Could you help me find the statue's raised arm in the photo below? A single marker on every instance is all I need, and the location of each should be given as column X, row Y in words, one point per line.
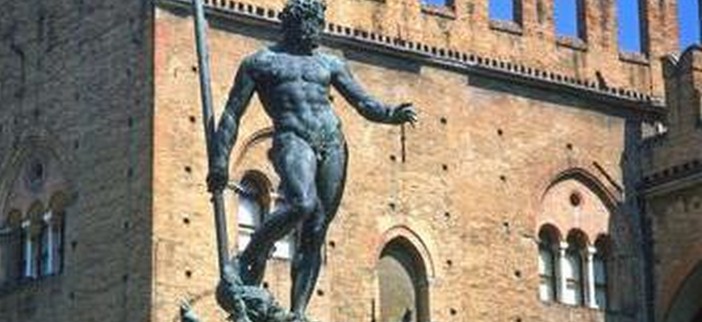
column 365, row 104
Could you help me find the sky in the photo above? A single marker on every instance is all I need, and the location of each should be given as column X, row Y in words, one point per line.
column 565, row 14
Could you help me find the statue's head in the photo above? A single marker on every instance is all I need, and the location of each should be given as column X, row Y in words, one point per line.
column 303, row 22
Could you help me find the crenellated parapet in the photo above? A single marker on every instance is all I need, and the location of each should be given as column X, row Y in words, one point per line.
column 672, row 154
column 529, row 39
column 469, row 60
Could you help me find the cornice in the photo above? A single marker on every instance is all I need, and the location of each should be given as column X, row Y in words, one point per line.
column 643, row 105
column 673, row 178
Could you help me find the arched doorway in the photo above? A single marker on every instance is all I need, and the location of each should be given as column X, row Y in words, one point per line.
column 403, row 286
column 687, row 304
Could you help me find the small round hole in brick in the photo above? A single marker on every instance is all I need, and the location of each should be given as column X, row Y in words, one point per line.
column 500, row 132
column 518, row 274
column 188, row 273
column 449, row 263
column 320, row 293
column 186, row 221
column 575, row 199
column 447, row 215
column 443, row 120
column 393, row 158
column 188, row 169
column 193, row 68
column 518, row 320
column 332, row 244
column 569, row 146
column 503, row 178
column 444, row 167
column 265, row 285
column 392, row 205
column 453, row 311
column 192, row 119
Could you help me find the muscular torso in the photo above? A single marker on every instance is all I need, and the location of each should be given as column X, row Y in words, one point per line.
column 294, row 91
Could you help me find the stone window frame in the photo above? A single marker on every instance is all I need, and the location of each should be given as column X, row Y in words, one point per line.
column 578, row 244
column 22, row 231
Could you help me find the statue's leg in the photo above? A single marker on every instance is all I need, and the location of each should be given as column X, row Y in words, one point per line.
column 331, row 175
column 296, row 165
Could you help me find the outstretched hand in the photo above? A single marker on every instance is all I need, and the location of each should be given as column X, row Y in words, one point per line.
column 404, row 113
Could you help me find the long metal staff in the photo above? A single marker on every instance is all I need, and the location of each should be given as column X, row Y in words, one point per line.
column 203, row 60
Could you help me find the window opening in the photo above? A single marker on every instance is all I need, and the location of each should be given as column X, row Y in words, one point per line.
column 689, row 15
column 506, row 10
column 548, row 243
column 569, row 18
column 629, row 26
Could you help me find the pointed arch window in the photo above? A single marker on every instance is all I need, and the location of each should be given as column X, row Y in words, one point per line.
column 402, row 279
column 574, row 270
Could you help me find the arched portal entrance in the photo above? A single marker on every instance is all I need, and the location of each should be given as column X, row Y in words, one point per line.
column 687, row 304
column 403, row 283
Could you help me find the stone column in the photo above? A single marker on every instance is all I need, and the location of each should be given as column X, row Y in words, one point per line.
column 27, row 256
column 562, row 265
column 591, row 301
column 48, row 216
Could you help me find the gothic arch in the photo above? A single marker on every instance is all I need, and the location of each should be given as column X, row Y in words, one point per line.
column 685, row 306
column 40, row 144
column 262, row 136
column 405, row 232
column 585, row 177
column 402, row 282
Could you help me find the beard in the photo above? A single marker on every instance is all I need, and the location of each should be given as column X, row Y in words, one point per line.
column 303, row 41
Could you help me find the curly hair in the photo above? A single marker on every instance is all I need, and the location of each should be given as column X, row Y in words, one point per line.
column 297, row 10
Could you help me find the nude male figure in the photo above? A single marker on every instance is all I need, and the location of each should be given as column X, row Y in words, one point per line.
column 309, row 152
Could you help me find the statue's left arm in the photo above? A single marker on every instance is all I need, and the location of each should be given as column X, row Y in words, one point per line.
column 365, row 104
